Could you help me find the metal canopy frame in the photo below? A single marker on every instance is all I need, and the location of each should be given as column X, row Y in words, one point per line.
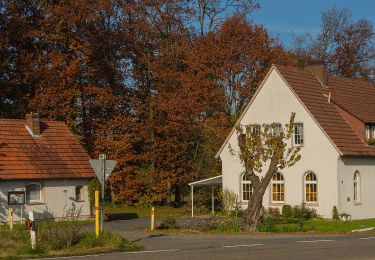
column 217, row 180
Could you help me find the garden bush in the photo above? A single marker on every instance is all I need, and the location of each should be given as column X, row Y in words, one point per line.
column 89, row 240
column 268, row 225
column 272, row 213
column 168, row 223
column 335, row 213
column 303, row 212
column 287, row 211
column 226, row 224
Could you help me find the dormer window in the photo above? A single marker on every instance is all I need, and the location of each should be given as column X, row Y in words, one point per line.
column 370, row 133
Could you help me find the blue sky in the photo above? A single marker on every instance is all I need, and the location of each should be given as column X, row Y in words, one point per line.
column 282, row 17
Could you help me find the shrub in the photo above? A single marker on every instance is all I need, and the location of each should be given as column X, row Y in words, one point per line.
column 303, row 212
column 59, row 235
column 106, row 239
column 231, row 203
column 287, row 211
column 169, row 223
column 335, row 213
column 268, row 225
column 227, row 224
column 272, row 213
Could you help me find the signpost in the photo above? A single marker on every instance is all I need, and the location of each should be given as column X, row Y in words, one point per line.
column 103, row 169
column 16, row 198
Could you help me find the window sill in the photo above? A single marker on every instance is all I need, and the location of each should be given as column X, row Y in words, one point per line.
column 34, row 203
column 312, row 204
column 277, row 203
column 357, row 203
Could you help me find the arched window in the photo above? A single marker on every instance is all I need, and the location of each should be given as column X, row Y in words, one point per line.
column 357, row 187
column 33, row 192
column 247, row 188
column 311, row 187
column 278, row 187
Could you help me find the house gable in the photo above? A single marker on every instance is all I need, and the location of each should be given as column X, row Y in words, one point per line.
column 272, row 103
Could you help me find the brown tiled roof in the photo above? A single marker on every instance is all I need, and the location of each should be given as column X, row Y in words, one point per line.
column 314, row 96
column 355, row 96
column 54, row 154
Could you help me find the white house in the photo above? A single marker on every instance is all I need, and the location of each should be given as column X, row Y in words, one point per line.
column 46, row 163
column 335, row 120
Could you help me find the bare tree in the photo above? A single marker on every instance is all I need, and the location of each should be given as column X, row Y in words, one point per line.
column 263, row 153
column 334, row 21
column 210, row 13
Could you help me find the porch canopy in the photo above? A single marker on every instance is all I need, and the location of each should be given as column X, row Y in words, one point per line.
column 217, row 180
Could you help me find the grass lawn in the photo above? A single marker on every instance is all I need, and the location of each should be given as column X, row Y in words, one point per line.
column 317, row 225
column 129, row 212
column 58, row 241
column 340, row 226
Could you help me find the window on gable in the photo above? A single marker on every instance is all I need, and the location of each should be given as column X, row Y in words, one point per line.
column 255, row 129
column 276, row 129
column 33, row 193
column 247, row 188
column 79, row 193
column 298, row 134
column 370, row 131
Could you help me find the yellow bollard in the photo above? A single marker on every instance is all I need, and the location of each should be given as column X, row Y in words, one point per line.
column 152, row 218
column 11, row 218
column 97, row 231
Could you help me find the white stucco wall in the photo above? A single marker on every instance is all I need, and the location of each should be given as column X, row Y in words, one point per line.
column 346, row 169
column 274, row 103
column 57, row 197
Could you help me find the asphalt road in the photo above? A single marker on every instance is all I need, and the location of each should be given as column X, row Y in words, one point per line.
column 218, row 247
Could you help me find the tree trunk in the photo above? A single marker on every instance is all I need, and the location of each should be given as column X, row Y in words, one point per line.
column 177, row 195
column 254, row 212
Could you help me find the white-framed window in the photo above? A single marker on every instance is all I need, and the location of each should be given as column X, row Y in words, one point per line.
column 255, row 129
column 298, row 134
column 357, row 187
column 277, row 188
column 247, row 188
column 370, row 131
column 33, row 193
column 79, row 193
column 311, row 188
column 276, row 129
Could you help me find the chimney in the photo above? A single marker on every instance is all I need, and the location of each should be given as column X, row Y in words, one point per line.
column 319, row 71
column 33, row 123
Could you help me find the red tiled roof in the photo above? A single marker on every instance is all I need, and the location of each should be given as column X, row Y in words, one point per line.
column 54, row 154
column 357, row 97
column 314, row 96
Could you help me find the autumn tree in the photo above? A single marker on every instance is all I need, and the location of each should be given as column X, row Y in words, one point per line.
column 262, row 154
column 236, row 58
